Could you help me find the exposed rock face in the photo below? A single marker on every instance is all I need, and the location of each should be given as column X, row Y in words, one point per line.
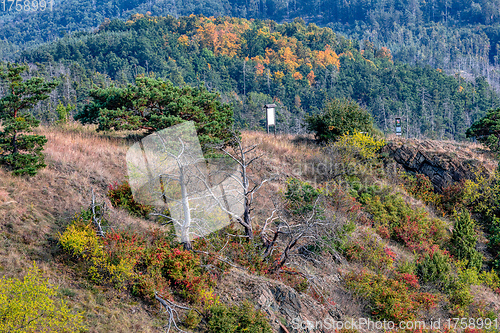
column 443, row 163
column 281, row 303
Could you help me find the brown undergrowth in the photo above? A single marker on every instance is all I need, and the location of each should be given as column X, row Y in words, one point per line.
column 377, row 255
column 33, row 210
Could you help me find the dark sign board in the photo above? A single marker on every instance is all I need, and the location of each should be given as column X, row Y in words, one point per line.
column 398, row 126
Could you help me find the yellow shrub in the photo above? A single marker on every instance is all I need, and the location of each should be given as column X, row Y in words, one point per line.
column 472, row 277
column 29, row 306
column 120, row 273
column 209, row 298
column 101, row 270
column 481, row 193
column 472, row 189
column 81, row 240
column 467, row 276
column 365, row 144
column 490, row 279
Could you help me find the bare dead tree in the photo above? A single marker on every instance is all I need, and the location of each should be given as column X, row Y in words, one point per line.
column 296, row 232
column 170, row 170
column 242, row 156
column 182, row 176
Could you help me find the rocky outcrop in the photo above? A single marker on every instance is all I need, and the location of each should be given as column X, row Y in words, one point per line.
column 443, row 163
column 286, row 308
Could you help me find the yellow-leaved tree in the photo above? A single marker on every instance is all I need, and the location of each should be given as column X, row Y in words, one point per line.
column 29, row 305
column 366, row 145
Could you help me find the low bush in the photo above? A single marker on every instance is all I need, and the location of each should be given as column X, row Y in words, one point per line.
column 490, row 279
column 365, row 146
column 363, row 193
column 483, row 199
column 395, row 299
column 120, row 195
column 143, row 262
column 81, row 241
column 472, row 276
column 371, row 252
column 342, row 242
column 435, row 268
column 420, row 186
column 460, row 299
column 29, row 305
column 494, row 240
column 453, row 198
column 237, row 319
column 407, row 266
column 292, row 278
column 179, row 268
column 242, row 252
column 192, row 319
column 394, row 218
column 300, row 197
column 460, row 286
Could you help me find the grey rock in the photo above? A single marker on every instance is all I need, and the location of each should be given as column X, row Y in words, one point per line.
column 443, row 169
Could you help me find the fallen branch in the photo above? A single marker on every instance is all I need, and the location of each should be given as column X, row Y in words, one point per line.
column 172, row 313
column 221, row 259
column 97, row 219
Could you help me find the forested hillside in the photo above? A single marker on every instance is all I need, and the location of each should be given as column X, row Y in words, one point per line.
column 253, row 62
column 140, row 193
column 457, row 36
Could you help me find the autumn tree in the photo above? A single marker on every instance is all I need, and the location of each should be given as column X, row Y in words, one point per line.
column 222, row 38
column 311, row 78
column 326, row 58
column 21, row 151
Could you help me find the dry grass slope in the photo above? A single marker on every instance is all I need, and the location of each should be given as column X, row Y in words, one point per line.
column 34, row 210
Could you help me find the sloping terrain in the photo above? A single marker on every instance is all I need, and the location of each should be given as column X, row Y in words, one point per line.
column 34, row 211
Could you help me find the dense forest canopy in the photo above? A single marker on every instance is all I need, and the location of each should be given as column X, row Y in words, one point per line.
column 457, row 36
column 355, row 225
column 253, row 62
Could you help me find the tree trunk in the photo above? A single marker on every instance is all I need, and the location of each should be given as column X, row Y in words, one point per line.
column 284, row 256
column 185, row 240
column 14, row 143
column 247, row 220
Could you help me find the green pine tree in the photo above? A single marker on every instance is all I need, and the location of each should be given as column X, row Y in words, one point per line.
column 340, row 116
column 487, row 130
column 464, row 240
column 21, row 151
column 154, row 104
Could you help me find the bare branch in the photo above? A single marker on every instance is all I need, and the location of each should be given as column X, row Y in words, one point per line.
column 222, row 259
column 97, row 216
column 172, row 313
